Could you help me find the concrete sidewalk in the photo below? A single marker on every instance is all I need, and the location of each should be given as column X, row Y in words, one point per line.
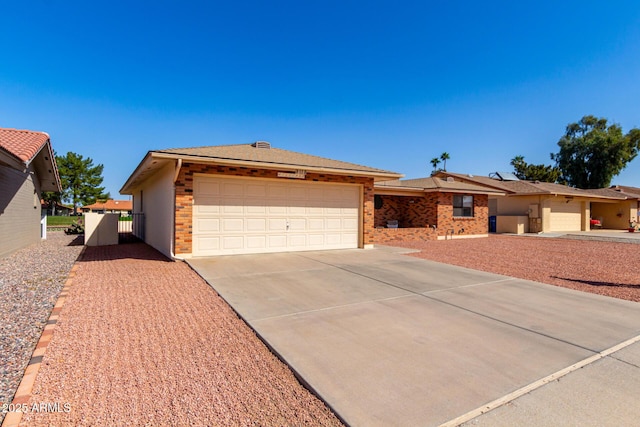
column 387, row 339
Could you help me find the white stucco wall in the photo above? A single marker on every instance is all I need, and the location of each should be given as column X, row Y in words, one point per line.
column 19, row 209
column 156, row 200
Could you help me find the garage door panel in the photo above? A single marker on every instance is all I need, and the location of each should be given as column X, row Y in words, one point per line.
column 276, row 191
column 238, row 215
column 207, row 205
column 297, row 192
column 256, row 190
column 277, row 241
column 316, row 224
column 207, row 225
column 297, row 224
column 256, row 242
column 334, row 223
column 232, row 242
column 232, row 189
column 255, row 210
column 258, row 225
column 277, row 224
column 297, row 210
column 232, row 225
column 566, row 216
column 316, row 240
column 296, row 240
column 211, row 188
column 349, row 223
column 207, row 243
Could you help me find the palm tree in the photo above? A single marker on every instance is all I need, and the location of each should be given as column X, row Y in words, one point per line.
column 435, row 162
column 444, row 157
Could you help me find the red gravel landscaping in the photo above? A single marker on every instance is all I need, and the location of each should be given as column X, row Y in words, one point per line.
column 144, row 341
column 599, row 267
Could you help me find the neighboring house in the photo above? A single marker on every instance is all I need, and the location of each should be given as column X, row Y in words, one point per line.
column 122, row 207
column 57, row 209
column 251, row 198
column 533, row 206
column 430, row 209
column 617, row 215
column 27, row 168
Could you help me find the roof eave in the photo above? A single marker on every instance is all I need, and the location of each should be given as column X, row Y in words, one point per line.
column 378, row 176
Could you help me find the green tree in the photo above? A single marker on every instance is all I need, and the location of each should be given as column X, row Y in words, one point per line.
column 444, row 157
column 80, row 179
column 592, row 152
column 435, row 162
column 530, row 172
column 51, row 198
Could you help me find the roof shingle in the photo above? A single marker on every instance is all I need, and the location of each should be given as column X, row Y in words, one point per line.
column 275, row 156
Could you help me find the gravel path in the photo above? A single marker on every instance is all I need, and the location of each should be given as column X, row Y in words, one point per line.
column 30, row 281
column 144, row 341
column 600, row 267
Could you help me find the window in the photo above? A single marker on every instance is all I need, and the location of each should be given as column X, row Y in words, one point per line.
column 463, row 206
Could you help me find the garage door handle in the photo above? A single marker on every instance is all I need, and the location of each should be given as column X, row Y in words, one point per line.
column 287, row 225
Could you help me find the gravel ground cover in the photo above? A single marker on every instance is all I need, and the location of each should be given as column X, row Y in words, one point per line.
column 141, row 341
column 600, row 267
column 30, row 281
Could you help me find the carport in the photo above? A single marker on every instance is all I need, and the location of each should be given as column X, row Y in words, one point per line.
column 387, row 339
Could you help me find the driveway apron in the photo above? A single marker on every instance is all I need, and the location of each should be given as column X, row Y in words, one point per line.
column 387, row 339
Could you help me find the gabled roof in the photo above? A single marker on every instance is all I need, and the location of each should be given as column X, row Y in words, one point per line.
column 21, row 148
column 111, row 205
column 257, row 155
column 435, row 184
column 531, row 188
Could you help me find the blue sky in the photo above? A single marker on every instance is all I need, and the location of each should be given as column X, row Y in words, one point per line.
column 381, row 84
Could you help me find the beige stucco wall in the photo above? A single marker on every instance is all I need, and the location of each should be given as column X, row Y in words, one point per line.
column 19, row 209
column 615, row 215
column 516, row 205
column 519, row 206
column 156, row 199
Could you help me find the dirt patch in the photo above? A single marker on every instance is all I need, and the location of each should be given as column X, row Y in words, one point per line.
column 605, row 268
column 145, row 341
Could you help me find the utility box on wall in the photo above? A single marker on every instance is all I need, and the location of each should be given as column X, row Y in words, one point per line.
column 100, row 229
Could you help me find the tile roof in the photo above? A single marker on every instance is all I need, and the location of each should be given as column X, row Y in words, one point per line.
column 22, row 144
column 111, row 205
column 437, row 184
column 274, row 156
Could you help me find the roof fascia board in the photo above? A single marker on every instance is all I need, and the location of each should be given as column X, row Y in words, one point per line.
column 274, row 166
column 125, row 188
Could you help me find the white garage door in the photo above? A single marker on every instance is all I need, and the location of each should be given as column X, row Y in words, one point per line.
column 250, row 215
column 566, row 216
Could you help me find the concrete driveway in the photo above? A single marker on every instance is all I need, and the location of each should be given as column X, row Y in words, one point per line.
column 388, row 339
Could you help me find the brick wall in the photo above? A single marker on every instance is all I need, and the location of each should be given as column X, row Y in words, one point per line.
column 417, row 214
column 478, row 224
column 409, row 211
column 390, row 235
column 184, row 197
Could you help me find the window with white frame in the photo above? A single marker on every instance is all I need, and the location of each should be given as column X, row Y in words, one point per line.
column 463, row 206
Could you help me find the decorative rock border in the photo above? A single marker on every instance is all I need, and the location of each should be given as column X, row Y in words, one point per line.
column 23, row 393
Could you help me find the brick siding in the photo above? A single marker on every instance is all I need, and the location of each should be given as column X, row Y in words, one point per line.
column 417, row 214
column 478, row 224
column 184, row 197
